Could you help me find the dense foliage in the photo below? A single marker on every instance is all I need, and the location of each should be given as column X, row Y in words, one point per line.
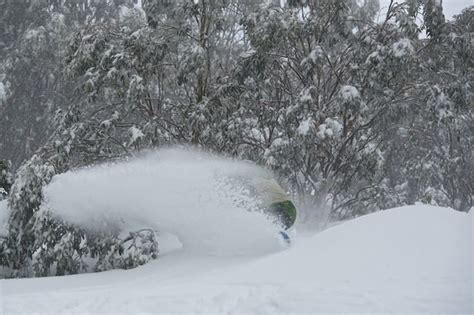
column 355, row 115
column 5, row 179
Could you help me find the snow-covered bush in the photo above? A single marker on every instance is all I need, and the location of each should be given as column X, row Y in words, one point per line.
column 39, row 244
column 136, row 249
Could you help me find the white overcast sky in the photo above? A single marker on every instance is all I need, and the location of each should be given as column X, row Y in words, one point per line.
column 450, row 7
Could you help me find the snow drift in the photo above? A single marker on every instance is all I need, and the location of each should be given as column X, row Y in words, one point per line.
column 409, row 260
column 179, row 191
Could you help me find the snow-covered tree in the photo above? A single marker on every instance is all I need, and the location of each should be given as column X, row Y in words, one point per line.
column 435, row 143
column 38, row 243
column 33, row 42
column 316, row 94
column 5, row 179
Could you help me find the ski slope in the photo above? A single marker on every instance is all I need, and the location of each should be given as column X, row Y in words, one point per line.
column 415, row 259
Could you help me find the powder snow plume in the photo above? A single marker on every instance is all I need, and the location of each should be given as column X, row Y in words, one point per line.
column 179, row 191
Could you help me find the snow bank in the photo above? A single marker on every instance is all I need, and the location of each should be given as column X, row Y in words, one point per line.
column 415, row 259
column 182, row 192
column 410, row 260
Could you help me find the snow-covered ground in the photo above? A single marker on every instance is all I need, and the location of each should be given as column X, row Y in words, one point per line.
column 415, row 259
column 217, row 257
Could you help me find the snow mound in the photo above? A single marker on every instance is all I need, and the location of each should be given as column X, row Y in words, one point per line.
column 409, row 260
column 178, row 191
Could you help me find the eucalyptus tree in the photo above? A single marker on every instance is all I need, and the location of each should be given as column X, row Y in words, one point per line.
column 37, row 243
column 33, row 41
column 316, row 94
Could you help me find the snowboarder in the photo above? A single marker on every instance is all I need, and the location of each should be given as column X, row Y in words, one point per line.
column 275, row 201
